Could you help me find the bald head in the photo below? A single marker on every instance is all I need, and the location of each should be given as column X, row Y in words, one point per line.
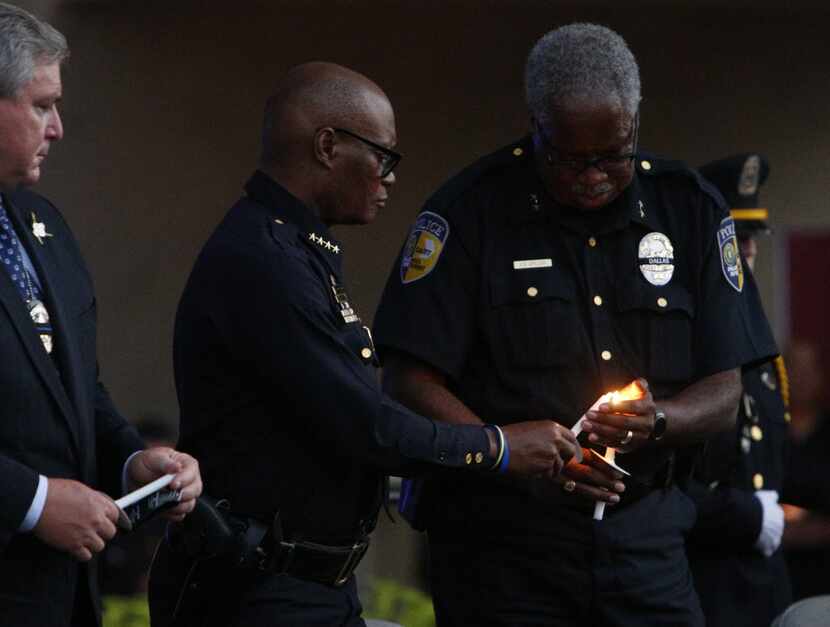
column 327, row 137
column 311, row 96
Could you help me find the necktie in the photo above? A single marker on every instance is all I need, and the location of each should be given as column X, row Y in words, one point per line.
column 12, row 260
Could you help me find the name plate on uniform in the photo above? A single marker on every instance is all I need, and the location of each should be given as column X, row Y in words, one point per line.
column 527, row 264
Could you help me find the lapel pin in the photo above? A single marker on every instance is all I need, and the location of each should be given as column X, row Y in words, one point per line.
column 39, row 229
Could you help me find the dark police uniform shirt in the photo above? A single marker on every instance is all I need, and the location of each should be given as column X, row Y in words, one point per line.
column 276, row 377
column 741, row 586
column 534, row 310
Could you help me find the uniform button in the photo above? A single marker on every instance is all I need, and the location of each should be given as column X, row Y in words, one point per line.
column 606, row 355
column 366, row 352
column 756, row 433
column 646, row 165
column 468, row 458
column 598, row 300
column 278, row 221
column 787, row 416
column 442, row 456
column 518, row 152
column 662, row 302
column 532, row 292
column 592, row 241
column 758, row 480
column 479, row 457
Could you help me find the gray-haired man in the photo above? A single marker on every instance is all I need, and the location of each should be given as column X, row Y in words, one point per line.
column 61, row 437
column 555, row 270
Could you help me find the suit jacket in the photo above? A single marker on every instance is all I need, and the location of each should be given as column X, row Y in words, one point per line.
column 56, row 418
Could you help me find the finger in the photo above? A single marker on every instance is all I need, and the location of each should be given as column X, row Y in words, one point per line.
column 108, row 507
column 95, row 544
column 587, row 490
column 107, row 530
column 188, row 475
column 172, row 515
column 597, row 472
column 82, row 554
column 183, row 508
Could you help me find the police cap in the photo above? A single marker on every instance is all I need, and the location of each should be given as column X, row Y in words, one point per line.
column 739, row 178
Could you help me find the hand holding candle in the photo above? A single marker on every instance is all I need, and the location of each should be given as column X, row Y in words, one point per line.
column 624, row 421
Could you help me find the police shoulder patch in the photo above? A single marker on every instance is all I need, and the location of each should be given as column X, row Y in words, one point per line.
column 423, row 246
column 730, row 256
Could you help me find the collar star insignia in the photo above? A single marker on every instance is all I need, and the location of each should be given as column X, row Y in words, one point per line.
column 323, row 242
column 39, row 229
column 642, row 209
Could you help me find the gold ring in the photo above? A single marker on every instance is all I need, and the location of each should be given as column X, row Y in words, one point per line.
column 628, row 437
column 569, row 485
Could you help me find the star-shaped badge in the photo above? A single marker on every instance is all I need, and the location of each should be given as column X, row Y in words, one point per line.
column 39, row 229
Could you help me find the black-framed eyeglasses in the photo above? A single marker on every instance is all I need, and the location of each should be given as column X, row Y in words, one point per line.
column 389, row 159
column 609, row 164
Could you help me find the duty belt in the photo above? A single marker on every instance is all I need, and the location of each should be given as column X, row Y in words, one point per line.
column 211, row 531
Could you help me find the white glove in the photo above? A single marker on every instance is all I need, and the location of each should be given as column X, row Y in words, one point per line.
column 772, row 527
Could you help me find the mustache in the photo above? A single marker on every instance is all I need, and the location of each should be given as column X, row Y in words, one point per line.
column 597, row 190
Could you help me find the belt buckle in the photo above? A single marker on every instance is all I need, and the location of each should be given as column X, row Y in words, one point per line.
column 354, row 557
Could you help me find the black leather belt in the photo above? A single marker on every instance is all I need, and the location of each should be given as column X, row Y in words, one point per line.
column 211, row 531
column 322, row 563
column 330, row 565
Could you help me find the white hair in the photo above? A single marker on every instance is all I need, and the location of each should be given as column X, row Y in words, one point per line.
column 580, row 62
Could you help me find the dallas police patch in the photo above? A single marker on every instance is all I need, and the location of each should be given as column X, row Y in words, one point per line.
column 423, row 246
column 656, row 258
column 730, row 256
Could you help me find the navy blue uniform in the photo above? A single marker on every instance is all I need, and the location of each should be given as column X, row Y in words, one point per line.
column 741, row 586
column 532, row 311
column 276, row 377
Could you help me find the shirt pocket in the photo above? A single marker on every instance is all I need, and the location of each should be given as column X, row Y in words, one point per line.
column 532, row 320
column 664, row 316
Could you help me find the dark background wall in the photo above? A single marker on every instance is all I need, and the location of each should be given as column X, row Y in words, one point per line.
column 163, row 103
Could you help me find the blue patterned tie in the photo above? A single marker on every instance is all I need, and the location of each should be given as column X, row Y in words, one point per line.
column 12, row 260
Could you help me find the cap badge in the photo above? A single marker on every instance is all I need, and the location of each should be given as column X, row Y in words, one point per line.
column 750, row 176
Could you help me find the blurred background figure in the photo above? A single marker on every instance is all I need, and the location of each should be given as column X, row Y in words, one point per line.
column 739, row 571
column 807, row 532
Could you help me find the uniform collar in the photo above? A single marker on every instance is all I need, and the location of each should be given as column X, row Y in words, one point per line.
column 285, row 207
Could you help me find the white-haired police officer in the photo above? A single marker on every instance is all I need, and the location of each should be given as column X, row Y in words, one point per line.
column 546, row 274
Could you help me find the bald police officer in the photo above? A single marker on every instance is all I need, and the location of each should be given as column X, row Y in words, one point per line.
column 277, row 381
column 559, row 268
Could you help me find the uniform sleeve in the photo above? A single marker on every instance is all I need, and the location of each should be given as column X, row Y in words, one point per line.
column 298, row 354
column 725, row 517
column 428, row 308
column 731, row 327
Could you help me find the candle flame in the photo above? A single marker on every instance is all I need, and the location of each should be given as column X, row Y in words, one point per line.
column 630, row 392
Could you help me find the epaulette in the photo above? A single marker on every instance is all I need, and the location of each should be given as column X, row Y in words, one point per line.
column 651, row 165
column 783, row 381
column 461, row 182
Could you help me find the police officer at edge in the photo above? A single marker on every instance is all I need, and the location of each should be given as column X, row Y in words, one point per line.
column 566, row 265
column 277, row 379
column 734, row 548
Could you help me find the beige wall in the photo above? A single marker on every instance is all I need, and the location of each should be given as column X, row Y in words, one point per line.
column 163, row 102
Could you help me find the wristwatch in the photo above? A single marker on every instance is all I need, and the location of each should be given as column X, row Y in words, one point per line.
column 658, row 429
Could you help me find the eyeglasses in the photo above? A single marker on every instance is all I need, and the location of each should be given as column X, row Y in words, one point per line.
column 388, row 159
column 609, row 164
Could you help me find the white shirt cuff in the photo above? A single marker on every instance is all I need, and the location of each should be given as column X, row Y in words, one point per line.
column 124, row 479
column 36, row 508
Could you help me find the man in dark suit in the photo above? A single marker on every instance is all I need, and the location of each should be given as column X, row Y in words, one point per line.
column 61, row 437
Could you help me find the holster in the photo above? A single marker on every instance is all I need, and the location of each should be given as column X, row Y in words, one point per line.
column 213, row 553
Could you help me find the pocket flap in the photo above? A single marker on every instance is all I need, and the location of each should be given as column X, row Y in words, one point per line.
column 530, row 286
